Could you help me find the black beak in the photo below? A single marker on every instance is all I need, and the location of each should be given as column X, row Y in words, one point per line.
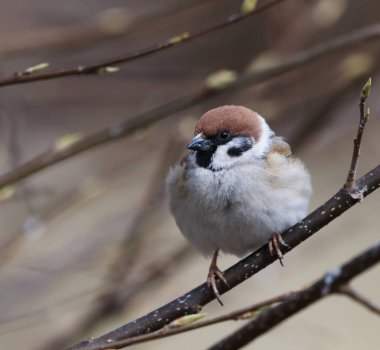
column 200, row 143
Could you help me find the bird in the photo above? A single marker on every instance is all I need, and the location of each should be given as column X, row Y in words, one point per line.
column 238, row 187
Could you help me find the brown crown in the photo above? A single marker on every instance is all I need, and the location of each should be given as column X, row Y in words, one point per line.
column 237, row 120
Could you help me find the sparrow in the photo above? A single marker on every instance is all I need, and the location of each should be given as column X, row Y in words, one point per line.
column 238, row 188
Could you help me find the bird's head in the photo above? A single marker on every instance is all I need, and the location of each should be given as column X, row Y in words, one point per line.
column 228, row 135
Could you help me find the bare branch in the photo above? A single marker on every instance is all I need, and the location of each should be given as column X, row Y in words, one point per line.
column 235, row 315
column 90, row 32
column 364, row 115
column 22, row 78
column 194, row 300
column 113, row 300
column 357, row 297
column 132, row 124
column 328, row 284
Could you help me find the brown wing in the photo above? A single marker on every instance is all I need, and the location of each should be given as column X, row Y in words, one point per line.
column 280, row 146
column 278, row 158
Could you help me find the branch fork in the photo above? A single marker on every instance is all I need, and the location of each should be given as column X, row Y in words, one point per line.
column 350, row 184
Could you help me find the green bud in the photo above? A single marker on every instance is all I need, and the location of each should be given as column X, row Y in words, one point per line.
column 36, row 68
column 221, row 79
column 248, row 6
column 367, row 113
column 7, row 192
column 108, row 70
column 366, row 91
column 254, row 313
column 66, row 141
column 188, row 319
column 178, row 38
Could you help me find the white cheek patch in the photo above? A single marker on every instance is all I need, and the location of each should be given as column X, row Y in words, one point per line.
column 243, row 144
column 236, row 150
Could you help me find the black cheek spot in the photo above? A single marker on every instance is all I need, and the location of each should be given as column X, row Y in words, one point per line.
column 234, row 152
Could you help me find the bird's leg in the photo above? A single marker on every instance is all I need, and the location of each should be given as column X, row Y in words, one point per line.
column 274, row 246
column 212, row 274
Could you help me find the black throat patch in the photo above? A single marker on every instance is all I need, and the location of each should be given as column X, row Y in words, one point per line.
column 203, row 158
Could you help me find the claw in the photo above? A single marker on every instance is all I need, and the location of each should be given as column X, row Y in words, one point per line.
column 274, row 247
column 281, row 240
column 214, row 272
column 220, row 275
column 212, row 283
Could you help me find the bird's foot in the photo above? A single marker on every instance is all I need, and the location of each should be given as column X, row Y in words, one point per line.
column 274, row 247
column 211, row 280
column 214, row 272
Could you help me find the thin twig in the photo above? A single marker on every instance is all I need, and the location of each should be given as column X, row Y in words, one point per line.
column 350, row 292
column 231, row 316
column 194, row 300
column 132, row 124
column 22, row 78
column 317, row 118
column 325, row 286
column 90, row 32
column 364, row 115
column 115, row 301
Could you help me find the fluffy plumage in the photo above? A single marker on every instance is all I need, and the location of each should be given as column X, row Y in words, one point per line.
column 238, row 188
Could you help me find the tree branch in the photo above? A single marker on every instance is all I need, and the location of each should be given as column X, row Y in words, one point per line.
column 360, row 299
column 328, row 284
column 364, row 115
column 91, row 32
column 170, row 330
column 132, row 124
column 22, row 78
column 116, row 299
column 194, row 300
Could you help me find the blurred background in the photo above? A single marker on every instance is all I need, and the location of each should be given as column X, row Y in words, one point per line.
column 88, row 244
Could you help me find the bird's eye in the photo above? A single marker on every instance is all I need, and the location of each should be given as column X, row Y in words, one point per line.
column 224, row 135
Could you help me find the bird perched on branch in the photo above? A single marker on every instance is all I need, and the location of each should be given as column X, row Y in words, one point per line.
column 238, row 187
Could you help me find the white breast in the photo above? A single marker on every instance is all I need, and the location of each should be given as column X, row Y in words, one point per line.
column 238, row 209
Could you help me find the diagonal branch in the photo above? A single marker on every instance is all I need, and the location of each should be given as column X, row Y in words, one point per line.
column 132, row 124
column 360, row 299
column 22, row 78
column 235, row 315
column 194, row 300
column 327, row 285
